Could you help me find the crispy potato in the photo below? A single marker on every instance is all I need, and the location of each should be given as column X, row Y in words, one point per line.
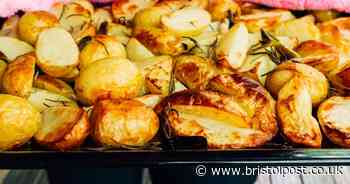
column 108, row 78
column 120, row 32
column 12, row 47
column 73, row 15
column 136, row 51
column 292, row 28
column 333, row 115
column 10, row 27
column 222, row 9
column 63, row 128
column 57, row 52
column 42, row 99
column 150, row 100
column 125, row 10
column 188, row 21
column 325, row 15
column 87, row 30
column 320, row 55
column 19, row 121
column 101, row 46
column 31, row 24
column 194, row 71
column 72, row 75
column 18, row 77
column 118, row 122
column 54, row 85
column 85, row 4
column 3, row 67
column 299, row 87
column 233, row 47
column 101, row 16
column 238, row 120
column 340, row 79
column 267, row 19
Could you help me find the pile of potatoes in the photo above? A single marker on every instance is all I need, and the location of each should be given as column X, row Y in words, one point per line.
column 108, row 73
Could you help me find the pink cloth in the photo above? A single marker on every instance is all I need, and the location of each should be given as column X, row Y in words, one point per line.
column 339, row 5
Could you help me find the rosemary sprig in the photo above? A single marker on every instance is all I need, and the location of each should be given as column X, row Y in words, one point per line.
column 272, row 47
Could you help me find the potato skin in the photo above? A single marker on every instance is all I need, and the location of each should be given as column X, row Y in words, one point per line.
column 333, row 117
column 108, row 78
column 31, row 24
column 54, row 85
column 19, row 121
column 18, row 77
column 120, row 121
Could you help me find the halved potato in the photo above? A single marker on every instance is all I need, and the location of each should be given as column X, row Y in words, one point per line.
column 73, row 15
column 125, row 10
column 194, row 71
column 108, row 78
column 188, row 21
column 266, row 19
column 57, row 52
column 63, row 128
column 120, row 32
column 12, row 47
column 233, row 47
column 150, row 100
column 340, row 79
column 87, row 30
column 10, row 27
column 136, row 51
column 101, row 16
column 323, row 56
column 31, row 24
column 18, row 77
column 19, row 121
column 101, row 46
column 42, row 99
column 292, row 28
column 133, row 123
column 86, row 4
column 54, row 85
column 333, row 115
column 222, row 9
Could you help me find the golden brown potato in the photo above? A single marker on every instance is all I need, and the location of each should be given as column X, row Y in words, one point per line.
column 87, row 30
column 3, row 66
column 325, row 15
column 18, row 77
column 101, row 15
column 150, row 100
column 100, row 47
column 12, row 47
column 19, row 121
column 10, row 27
column 299, row 87
column 194, row 71
column 222, row 9
column 54, row 85
column 340, row 79
column 63, row 128
column 42, row 99
column 320, row 55
column 157, row 73
column 241, row 116
column 120, row 32
column 125, row 10
column 85, row 4
column 31, row 24
column 333, row 115
column 108, row 78
column 266, row 19
column 57, row 53
column 123, row 122
column 233, row 47
column 73, row 15
column 137, row 51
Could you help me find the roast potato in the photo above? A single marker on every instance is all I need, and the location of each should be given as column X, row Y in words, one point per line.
column 31, row 24
column 42, row 99
column 150, row 100
column 136, row 51
column 54, row 85
column 118, row 122
column 63, row 128
column 10, row 27
column 333, row 115
column 243, row 118
column 194, row 71
column 233, row 47
column 101, row 16
column 108, row 78
column 3, row 66
column 100, row 47
column 299, row 87
column 85, row 4
column 86, row 30
column 320, row 55
column 340, row 79
column 73, row 15
column 57, row 53
column 124, row 11
column 12, row 47
column 120, row 32
column 222, row 9
column 18, row 77
column 19, row 121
